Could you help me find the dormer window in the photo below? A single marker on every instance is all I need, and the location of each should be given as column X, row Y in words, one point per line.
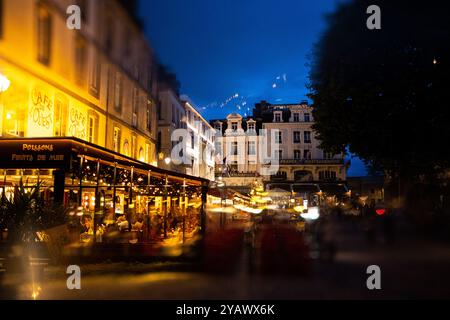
column 277, row 117
column 296, row 117
column 234, row 126
column 251, row 127
column 218, row 126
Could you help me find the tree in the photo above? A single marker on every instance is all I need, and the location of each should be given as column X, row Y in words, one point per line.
column 385, row 93
column 26, row 213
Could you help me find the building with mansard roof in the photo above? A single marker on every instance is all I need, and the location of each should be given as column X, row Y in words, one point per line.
column 276, row 146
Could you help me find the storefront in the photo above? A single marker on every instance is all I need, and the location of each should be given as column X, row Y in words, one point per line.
column 90, row 181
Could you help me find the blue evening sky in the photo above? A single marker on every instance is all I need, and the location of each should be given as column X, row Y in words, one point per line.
column 229, row 54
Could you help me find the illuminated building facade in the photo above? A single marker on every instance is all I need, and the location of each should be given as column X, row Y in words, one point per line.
column 299, row 157
column 200, row 142
column 95, row 84
column 170, row 118
column 78, row 108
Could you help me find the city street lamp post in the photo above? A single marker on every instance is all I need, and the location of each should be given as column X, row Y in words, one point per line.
column 166, row 182
column 149, row 220
column 184, row 202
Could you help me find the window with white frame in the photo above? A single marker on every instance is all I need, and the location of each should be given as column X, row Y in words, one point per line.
column 307, row 137
column 234, row 148
column 252, row 148
column 118, row 91
column 307, row 154
column 277, row 117
column 116, row 139
column 135, row 106
column 44, row 33
column 297, row 135
column 91, row 129
column 307, row 117
column 279, row 137
column 280, row 154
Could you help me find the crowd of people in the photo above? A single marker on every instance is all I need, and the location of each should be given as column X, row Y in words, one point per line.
column 139, row 227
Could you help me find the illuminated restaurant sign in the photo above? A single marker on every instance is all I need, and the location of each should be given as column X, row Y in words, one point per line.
column 39, row 154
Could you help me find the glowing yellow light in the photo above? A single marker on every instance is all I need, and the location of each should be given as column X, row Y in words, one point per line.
column 4, row 83
column 8, row 116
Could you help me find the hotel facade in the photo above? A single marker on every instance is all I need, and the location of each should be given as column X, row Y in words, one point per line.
column 78, row 109
column 277, row 147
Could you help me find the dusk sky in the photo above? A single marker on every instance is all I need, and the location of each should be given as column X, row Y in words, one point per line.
column 229, row 54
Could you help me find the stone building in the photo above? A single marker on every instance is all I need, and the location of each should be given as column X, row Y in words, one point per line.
column 280, row 134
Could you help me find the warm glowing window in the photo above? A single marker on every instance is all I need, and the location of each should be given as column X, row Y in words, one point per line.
column 149, row 116
column 126, row 148
column 133, row 145
column 1, row 19
column 147, row 152
column 93, row 123
column 44, row 29
column 14, row 123
column 91, row 129
column 135, row 106
column 94, row 82
column 60, row 116
column 80, row 60
column 116, row 139
column 327, row 175
column 118, row 88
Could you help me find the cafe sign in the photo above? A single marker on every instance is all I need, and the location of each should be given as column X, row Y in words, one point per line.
column 40, row 116
column 30, row 154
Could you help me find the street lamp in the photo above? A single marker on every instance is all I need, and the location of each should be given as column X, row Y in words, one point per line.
column 167, row 160
column 4, row 83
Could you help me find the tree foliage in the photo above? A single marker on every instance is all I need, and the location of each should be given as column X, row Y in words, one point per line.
column 385, row 94
column 26, row 213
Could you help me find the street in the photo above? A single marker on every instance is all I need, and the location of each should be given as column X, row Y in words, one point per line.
column 412, row 267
